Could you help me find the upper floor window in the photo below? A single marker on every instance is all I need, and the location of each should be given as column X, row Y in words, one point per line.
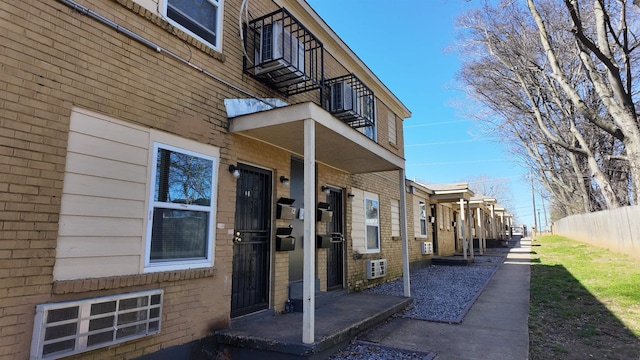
column 391, row 120
column 200, row 18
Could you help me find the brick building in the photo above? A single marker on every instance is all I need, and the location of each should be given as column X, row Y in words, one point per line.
column 163, row 162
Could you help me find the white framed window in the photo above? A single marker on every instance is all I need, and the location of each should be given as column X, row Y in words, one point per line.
column 372, row 223
column 181, row 209
column 422, row 210
column 200, row 18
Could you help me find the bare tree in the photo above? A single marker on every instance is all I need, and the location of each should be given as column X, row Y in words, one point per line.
column 529, row 68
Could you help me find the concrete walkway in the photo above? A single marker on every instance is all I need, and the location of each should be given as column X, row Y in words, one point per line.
column 496, row 326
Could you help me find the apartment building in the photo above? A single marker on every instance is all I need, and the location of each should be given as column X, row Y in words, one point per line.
column 169, row 166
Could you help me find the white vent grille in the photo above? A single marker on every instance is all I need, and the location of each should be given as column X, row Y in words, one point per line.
column 63, row 329
column 427, row 248
column 376, row 268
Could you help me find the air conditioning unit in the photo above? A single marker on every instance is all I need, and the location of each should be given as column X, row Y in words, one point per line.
column 344, row 99
column 427, row 248
column 280, row 53
column 67, row 328
column 376, row 268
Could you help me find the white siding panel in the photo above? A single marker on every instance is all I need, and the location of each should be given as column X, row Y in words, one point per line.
column 93, row 267
column 97, row 125
column 416, row 217
column 73, row 247
column 99, row 226
column 95, row 206
column 108, row 149
column 101, row 187
column 105, row 168
column 395, row 217
column 357, row 222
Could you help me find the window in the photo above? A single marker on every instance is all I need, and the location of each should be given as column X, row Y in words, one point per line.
column 180, row 231
column 200, row 18
column 391, row 120
column 372, row 224
column 423, row 218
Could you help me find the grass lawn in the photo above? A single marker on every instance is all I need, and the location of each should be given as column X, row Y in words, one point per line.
column 585, row 302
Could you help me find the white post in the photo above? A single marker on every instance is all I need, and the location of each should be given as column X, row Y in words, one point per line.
column 403, row 234
column 480, row 230
column 471, row 252
column 463, row 230
column 493, row 221
column 309, row 274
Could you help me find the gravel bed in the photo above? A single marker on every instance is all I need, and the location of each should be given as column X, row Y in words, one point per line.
column 358, row 351
column 440, row 293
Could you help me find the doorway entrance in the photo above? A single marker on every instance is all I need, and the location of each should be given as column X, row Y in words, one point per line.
column 251, row 248
column 335, row 254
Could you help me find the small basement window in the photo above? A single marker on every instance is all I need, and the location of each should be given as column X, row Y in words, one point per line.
column 63, row 329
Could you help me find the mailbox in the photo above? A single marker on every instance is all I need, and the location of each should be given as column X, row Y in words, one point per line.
column 285, row 210
column 284, row 240
column 324, row 241
column 324, row 214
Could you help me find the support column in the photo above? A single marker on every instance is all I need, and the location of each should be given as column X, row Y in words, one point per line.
column 493, row 221
column 480, row 230
column 403, row 234
column 309, row 273
column 471, row 252
column 463, row 226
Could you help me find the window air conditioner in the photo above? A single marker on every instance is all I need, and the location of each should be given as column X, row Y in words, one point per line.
column 280, row 53
column 427, row 248
column 344, row 99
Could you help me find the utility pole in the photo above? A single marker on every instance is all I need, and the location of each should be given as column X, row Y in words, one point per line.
column 533, row 200
column 544, row 211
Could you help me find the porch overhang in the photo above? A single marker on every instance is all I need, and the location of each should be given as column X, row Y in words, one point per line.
column 337, row 144
column 451, row 196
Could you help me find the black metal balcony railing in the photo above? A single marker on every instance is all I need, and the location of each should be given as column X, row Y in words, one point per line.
column 350, row 100
column 283, row 54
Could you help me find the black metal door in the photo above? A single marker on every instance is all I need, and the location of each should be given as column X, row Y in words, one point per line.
column 251, row 249
column 335, row 254
column 434, row 228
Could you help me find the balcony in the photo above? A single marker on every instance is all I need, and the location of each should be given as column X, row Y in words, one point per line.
column 282, row 53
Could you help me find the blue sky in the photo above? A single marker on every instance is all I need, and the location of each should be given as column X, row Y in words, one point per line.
column 405, row 43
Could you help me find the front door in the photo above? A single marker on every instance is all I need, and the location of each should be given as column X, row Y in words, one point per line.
column 335, row 254
column 434, row 228
column 251, row 249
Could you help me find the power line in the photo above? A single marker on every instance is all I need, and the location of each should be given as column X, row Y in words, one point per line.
column 446, row 142
column 457, row 162
column 437, row 123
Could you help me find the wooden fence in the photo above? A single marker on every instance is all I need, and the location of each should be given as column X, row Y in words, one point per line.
column 617, row 230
